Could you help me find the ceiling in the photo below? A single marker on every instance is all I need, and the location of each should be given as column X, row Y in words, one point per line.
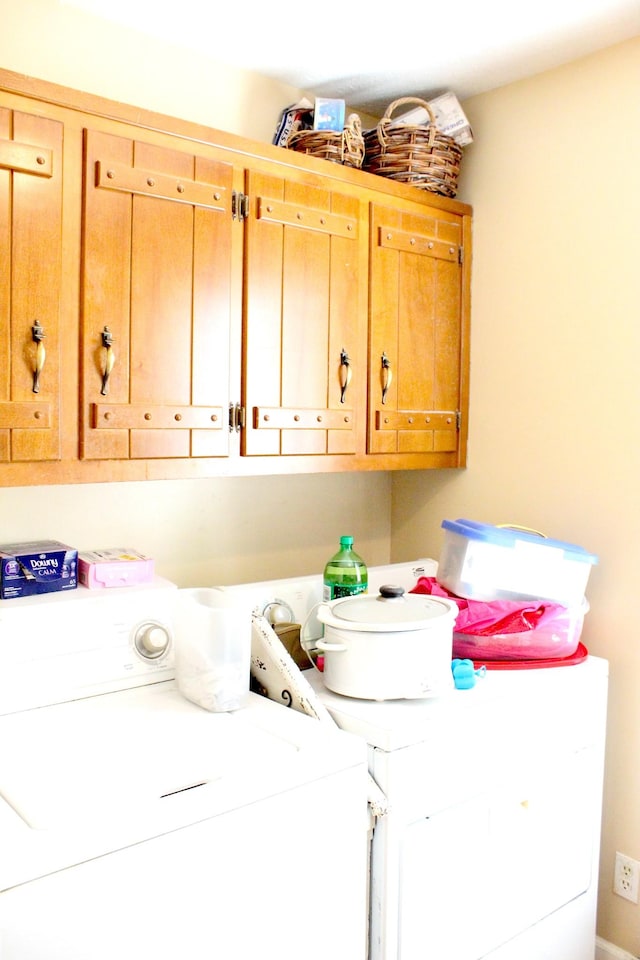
column 332, row 49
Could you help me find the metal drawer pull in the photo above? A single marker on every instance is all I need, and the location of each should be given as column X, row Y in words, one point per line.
column 345, row 374
column 385, row 375
column 109, row 360
column 38, row 335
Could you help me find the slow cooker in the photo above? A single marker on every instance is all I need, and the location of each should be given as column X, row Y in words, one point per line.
column 391, row 646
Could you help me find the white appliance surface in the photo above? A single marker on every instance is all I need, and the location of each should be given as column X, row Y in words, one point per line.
column 494, row 798
column 135, row 824
column 296, row 598
column 489, row 843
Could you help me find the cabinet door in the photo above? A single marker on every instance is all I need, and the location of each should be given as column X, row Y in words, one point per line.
column 415, row 331
column 30, row 275
column 304, row 371
column 156, row 301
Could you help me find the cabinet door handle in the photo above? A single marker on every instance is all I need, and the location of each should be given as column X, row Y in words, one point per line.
column 109, row 360
column 38, row 335
column 385, row 375
column 345, row 374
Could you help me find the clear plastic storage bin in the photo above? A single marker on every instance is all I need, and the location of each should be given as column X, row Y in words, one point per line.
column 483, row 562
column 555, row 636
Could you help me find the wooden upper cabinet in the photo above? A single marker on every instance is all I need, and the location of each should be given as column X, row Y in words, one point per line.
column 180, row 302
column 417, row 372
column 156, row 275
column 30, row 284
column 304, row 333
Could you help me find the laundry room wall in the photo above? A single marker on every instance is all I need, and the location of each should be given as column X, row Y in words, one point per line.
column 554, row 179
column 198, row 531
column 53, row 40
column 553, row 176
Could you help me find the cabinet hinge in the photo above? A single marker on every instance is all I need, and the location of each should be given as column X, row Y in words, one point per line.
column 236, row 417
column 239, row 205
column 460, row 255
column 458, row 420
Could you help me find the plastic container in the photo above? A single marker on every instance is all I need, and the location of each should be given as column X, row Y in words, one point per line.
column 212, row 649
column 483, row 562
column 345, row 574
column 556, row 635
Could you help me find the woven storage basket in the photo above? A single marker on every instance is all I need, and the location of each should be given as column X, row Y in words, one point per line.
column 420, row 155
column 346, row 147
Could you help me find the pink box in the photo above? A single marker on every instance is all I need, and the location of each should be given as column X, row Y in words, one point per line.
column 114, row 567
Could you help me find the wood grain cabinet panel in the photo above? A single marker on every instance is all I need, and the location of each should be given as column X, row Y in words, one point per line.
column 30, row 283
column 156, row 301
column 417, row 347
column 305, row 345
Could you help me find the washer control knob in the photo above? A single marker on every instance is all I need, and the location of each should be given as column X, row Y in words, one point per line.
column 278, row 611
column 151, row 640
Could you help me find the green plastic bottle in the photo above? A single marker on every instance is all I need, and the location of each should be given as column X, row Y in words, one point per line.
column 345, row 574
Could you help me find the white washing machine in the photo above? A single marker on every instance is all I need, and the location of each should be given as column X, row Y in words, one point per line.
column 135, row 824
column 488, row 844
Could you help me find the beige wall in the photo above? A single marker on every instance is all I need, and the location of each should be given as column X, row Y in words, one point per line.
column 199, row 532
column 52, row 41
column 554, row 179
column 212, row 531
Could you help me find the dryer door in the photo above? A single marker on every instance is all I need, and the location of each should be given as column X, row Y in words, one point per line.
column 478, row 873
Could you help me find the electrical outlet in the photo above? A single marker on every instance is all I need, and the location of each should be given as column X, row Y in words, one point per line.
column 626, row 877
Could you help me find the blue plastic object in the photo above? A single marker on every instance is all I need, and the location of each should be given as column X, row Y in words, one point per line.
column 464, row 674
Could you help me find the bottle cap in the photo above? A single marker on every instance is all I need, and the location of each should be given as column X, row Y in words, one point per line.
column 346, row 541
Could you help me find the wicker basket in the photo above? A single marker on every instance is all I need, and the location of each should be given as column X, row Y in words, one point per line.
column 419, row 155
column 346, row 147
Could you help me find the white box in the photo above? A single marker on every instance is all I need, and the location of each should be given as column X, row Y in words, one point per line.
column 449, row 116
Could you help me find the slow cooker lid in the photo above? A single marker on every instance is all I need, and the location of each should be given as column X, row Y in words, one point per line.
column 392, row 609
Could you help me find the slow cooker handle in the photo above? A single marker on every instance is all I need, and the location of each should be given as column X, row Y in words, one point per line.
column 334, row 647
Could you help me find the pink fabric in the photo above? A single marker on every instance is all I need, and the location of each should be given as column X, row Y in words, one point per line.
column 488, row 618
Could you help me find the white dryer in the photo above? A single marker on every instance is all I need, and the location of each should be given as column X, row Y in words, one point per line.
column 134, row 824
column 490, row 845
column 487, row 843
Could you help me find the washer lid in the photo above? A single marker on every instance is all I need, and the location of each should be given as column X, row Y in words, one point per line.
column 149, row 757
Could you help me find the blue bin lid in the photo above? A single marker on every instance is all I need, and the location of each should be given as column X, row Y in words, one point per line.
column 508, row 536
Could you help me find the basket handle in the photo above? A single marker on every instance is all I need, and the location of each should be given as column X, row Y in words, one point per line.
column 351, row 135
column 416, row 100
column 353, row 126
column 386, row 119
